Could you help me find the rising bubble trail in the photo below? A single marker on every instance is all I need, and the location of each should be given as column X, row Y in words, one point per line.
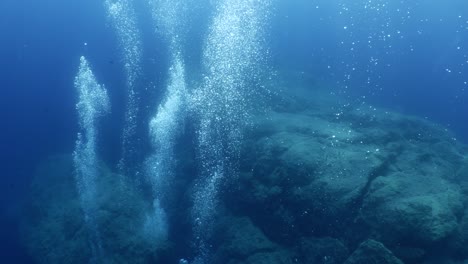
column 93, row 103
column 123, row 17
column 232, row 56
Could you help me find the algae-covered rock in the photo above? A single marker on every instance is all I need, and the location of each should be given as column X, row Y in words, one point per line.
column 55, row 230
column 242, row 239
column 418, row 199
column 322, row 251
column 277, row 257
column 372, row 252
column 459, row 241
column 352, row 173
column 405, row 207
column 317, row 166
column 462, row 177
column 244, row 243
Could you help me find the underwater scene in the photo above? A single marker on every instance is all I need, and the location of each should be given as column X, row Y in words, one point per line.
column 234, row 131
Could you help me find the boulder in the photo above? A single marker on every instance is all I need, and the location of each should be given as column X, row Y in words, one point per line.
column 241, row 242
column 405, row 207
column 372, row 252
column 242, row 239
column 352, row 174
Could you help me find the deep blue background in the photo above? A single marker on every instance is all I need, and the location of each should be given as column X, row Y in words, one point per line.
column 41, row 42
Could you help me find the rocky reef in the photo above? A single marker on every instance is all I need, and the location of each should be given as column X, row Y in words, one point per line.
column 54, row 230
column 354, row 184
column 319, row 182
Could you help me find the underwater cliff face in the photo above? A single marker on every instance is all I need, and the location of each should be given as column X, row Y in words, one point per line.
column 234, row 131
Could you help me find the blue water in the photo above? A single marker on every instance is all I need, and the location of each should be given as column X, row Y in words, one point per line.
column 409, row 57
column 423, row 44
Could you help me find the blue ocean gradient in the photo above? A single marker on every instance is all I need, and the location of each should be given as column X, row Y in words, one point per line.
column 406, row 56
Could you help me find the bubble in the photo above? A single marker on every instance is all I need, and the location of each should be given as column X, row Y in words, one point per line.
column 232, row 55
column 123, row 18
column 93, row 103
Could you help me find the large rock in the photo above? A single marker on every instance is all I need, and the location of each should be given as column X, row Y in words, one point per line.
column 277, row 257
column 418, row 200
column 372, row 252
column 462, row 177
column 407, row 208
column 55, row 230
column 242, row 242
column 318, row 166
column 351, row 173
column 242, row 239
column 459, row 241
column 322, row 251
